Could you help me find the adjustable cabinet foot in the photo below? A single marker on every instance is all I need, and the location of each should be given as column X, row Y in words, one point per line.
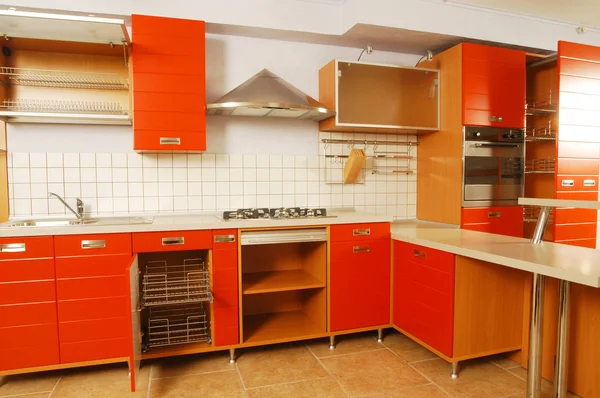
column 454, row 374
column 332, row 342
column 232, row 355
column 380, row 335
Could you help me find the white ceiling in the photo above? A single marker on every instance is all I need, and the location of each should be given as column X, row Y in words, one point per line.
column 579, row 12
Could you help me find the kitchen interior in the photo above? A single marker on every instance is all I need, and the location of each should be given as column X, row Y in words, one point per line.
column 199, row 202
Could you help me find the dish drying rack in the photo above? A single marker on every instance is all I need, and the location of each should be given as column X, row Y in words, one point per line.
column 378, row 161
column 64, row 79
column 60, row 106
column 540, row 134
column 181, row 324
column 536, row 107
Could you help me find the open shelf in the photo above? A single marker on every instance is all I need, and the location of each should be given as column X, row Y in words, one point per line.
column 279, row 281
column 279, row 326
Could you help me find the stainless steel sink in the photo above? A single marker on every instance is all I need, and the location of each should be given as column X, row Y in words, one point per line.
column 87, row 221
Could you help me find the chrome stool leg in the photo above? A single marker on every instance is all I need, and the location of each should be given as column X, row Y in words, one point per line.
column 455, row 369
column 232, row 355
column 380, row 335
column 560, row 376
column 332, row 342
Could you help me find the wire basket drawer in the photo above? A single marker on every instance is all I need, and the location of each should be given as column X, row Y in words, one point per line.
column 178, row 325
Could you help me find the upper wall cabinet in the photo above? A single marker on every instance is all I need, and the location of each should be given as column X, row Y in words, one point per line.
column 169, row 91
column 58, row 68
column 379, row 98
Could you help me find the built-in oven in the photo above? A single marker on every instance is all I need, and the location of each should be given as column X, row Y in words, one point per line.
column 493, row 162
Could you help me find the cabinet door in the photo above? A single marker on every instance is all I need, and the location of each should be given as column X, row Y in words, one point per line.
column 493, row 86
column 506, row 220
column 169, row 92
column 225, row 288
column 359, row 284
column 135, row 355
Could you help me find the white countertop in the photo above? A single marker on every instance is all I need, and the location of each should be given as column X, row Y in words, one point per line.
column 193, row 221
column 570, row 263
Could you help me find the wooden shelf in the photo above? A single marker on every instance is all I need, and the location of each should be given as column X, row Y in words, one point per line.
column 279, row 326
column 279, row 281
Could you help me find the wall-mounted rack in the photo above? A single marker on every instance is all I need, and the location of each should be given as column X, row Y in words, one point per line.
column 540, row 166
column 64, row 79
column 540, row 134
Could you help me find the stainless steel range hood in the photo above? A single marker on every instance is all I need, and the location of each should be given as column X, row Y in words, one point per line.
column 266, row 94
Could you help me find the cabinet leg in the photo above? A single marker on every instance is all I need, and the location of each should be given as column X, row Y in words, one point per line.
column 380, row 335
column 232, row 355
column 332, row 342
column 454, row 374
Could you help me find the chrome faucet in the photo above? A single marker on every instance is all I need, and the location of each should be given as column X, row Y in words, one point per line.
column 78, row 213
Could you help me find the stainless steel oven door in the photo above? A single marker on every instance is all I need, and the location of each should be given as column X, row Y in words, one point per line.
column 493, row 173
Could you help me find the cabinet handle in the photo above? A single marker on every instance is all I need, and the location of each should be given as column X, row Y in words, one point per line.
column 361, row 232
column 495, row 118
column 12, row 248
column 361, row 249
column 170, row 140
column 567, row 183
column 93, row 244
column 494, row 214
column 589, row 183
column 172, row 241
column 418, row 253
column 224, row 238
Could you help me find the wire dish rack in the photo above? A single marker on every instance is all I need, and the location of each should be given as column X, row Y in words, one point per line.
column 64, row 78
column 540, row 134
column 540, row 166
column 166, row 284
column 59, row 106
column 181, row 324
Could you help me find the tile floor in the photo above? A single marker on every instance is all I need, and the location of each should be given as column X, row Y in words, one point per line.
column 358, row 367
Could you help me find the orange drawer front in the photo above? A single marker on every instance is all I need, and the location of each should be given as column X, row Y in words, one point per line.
column 29, row 357
column 577, row 166
column 160, row 63
column 589, row 243
column 170, row 83
column 26, row 270
column 186, row 29
column 578, row 150
column 576, row 183
column 28, row 336
column 170, row 122
column 488, row 214
column 86, row 309
column 83, row 288
column 88, row 266
column 169, row 102
column 352, row 232
column 19, row 248
column 27, row 292
column 146, row 242
column 442, row 261
column 493, row 54
column 574, row 231
column 88, row 245
column 95, row 350
column 593, row 196
column 27, row 314
column 575, row 216
column 158, row 43
column 96, row 329
column 225, row 239
column 179, row 140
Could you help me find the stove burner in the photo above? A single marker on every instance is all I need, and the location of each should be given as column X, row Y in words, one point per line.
column 276, row 213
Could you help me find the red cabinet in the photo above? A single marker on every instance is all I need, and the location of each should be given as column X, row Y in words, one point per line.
column 359, row 276
column 168, row 79
column 148, row 242
column 424, row 294
column 506, row 220
column 493, row 83
column 225, row 287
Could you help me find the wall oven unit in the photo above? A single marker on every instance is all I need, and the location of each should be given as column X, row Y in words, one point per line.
column 493, row 166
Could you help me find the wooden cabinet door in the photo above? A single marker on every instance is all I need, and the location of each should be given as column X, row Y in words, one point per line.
column 168, row 84
column 225, row 288
column 359, row 284
column 493, row 86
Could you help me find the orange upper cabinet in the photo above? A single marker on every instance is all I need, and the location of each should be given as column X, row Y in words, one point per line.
column 493, row 81
column 168, row 78
column 379, row 98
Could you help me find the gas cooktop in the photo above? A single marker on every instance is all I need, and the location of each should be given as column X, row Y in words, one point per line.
column 276, row 213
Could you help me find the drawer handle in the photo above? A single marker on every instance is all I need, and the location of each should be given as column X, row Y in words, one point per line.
column 494, row 214
column 172, row 241
column 589, row 183
column 93, row 244
column 12, row 248
column 170, row 140
column 361, row 232
column 567, row 183
column 418, row 253
column 224, row 238
column 361, row 249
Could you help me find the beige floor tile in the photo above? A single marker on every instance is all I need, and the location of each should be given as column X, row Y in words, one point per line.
column 407, row 349
column 28, row 383
column 278, row 364
column 346, row 344
column 372, row 372
column 503, row 361
column 547, row 386
column 478, row 379
column 428, row 391
column 191, row 364
column 41, row 395
column 220, row 384
column 316, row 388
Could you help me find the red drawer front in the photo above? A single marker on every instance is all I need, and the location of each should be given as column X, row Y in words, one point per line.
column 27, row 292
column 576, row 84
column 429, row 325
column 87, row 309
column 356, row 232
column 574, row 231
column 593, row 196
column 225, row 298
column 36, row 247
column 576, row 183
column 28, row 336
column 169, row 83
column 146, row 242
column 579, row 117
column 88, row 245
column 185, row 29
column 88, row 266
column 494, row 54
column 26, row 270
column 363, row 267
column 83, row 288
column 437, row 259
column 430, row 278
column 170, row 122
column 27, row 314
column 95, row 350
column 577, row 166
column 225, row 239
column 578, row 133
column 225, row 269
column 574, row 216
column 188, row 65
column 488, row 214
column 226, row 335
column 588, row 243
column 586, row 150
column 29, row 357
column 96, row 329
column 151, row 140
column 580, row 51
column 157, row 43
column 169, row 102
column 576, row 67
